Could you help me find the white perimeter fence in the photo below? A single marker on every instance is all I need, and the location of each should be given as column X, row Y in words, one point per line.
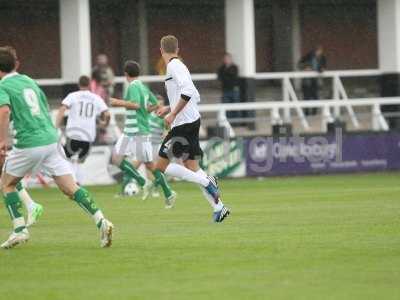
column 281, row 111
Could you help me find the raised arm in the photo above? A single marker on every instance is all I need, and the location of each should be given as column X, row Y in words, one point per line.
column 114, row 102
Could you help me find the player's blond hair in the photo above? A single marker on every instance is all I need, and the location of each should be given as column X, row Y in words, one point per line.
column 169, row 44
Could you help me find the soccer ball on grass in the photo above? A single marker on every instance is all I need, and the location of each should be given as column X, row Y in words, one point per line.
column 131, row 189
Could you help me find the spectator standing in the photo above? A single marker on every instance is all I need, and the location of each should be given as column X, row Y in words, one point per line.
column 102, row 78
column 228, row 75
column 316, row 61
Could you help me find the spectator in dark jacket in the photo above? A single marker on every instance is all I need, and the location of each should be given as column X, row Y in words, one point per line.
column 228, row 75
column 313, row 61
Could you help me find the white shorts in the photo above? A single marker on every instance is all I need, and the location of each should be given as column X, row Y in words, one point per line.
column 156, row 148
column 138, row 146
column 50, row 159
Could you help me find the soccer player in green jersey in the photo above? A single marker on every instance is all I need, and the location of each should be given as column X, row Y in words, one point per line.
column 35, row 148
column 34, row 209
column 139, row 101
column 157, row 130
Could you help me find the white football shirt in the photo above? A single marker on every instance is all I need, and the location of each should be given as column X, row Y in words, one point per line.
column 84, row 107
column 179, row 83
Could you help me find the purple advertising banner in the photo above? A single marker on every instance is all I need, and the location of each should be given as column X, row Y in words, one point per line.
column 322, row 154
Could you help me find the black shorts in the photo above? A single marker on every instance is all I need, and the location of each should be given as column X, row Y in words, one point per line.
column 182, row 142
column 73, row 147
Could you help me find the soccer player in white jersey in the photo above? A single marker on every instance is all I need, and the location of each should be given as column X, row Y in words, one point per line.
column 183, row 116
column 84, row 107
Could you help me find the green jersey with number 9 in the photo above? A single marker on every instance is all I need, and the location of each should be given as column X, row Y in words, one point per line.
column 29, row 111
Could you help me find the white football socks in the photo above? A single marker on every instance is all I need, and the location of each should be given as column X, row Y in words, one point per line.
column 209, row 198
column 199, row 177
column 18, row 222
column 179, row 171
column 97, row 217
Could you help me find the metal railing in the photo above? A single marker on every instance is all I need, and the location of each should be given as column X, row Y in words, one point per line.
column 339, row 92
column 275, row 108
column 331, row 109
column 212, row 76
column 121, row 79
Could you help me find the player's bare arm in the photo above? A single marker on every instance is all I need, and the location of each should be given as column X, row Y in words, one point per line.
column 60, row 116
column 105, row 117
column 178, row 108
column 151, row 108
column 4, row 125
column 114, row 102
column 162, row 111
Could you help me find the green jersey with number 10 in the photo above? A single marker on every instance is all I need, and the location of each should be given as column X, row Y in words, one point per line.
column 29, row 111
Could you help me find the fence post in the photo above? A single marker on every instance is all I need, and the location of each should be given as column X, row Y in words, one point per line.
column 286, row 98
column 336, row 96
column 378, row 120
column 275, row 116
column 326, row 118
column 375, row 117
column 223, row 122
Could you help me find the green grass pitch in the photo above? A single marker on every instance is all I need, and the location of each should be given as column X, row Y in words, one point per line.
column 322, row 237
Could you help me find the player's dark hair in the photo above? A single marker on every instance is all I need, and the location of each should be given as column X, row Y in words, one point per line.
column 13, row 51
column 84, row 81
column 7, row 59
column 132, row 68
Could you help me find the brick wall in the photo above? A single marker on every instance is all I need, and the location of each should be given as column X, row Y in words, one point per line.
column 347, row 30
column 32, row 27
column 348, row 33
column 105, row 25
column 200, row 27
column 263, row 35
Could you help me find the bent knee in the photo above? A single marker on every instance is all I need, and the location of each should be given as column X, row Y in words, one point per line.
column 161, row 166
column 150, row 166
column 116, row 159
column 69, row 191
column 8, row 188
column 192, row 165
column 67, row 185
column 8, row 185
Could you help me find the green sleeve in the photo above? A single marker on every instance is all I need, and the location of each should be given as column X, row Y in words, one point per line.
column 133, row 94
column 152, row 99
column 4, row 97
column 43, row 97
